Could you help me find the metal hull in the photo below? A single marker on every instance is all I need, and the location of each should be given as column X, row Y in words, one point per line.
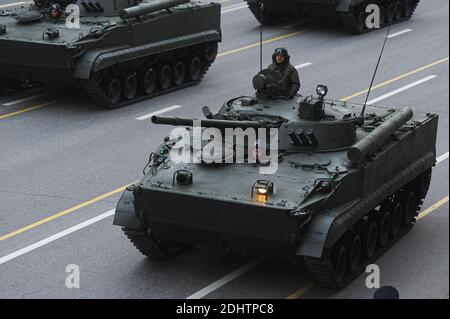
column 49, row 64
column 211, row 222
column 179, row 216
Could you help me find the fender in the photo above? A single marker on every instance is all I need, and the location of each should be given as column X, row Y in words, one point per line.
column 125, row 212
column 327, row 227
column 93, row 61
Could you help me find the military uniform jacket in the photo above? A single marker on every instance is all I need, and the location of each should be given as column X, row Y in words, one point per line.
column 290, row 76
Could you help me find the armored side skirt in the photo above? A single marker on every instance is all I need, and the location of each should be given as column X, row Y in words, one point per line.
column 210, row 222
column 313, row 8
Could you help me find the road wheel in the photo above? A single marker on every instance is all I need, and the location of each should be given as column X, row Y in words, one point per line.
column 195, row 69
column 410, row 204
column 179, row 73
column 165, row 77
column 398, row 10
column 396, row 218
column 370, row 238
column 339, row 262
column 355, row 248
column 130, row 86
column 384, row 228
column 113, row 91
column 147, row 81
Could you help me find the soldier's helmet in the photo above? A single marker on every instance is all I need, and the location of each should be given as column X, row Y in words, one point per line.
column 282, row 51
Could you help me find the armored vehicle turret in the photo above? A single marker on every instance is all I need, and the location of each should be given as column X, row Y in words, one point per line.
column 307, row 178
column 350, row 13
column 119, row 51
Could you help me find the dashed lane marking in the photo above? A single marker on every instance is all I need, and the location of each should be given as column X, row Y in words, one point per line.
column 403, row 88
column 393, row 35
column 167, row 109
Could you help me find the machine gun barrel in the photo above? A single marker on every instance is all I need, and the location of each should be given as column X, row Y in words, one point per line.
column 149, row 7
column 375, row 139
column 182, row 121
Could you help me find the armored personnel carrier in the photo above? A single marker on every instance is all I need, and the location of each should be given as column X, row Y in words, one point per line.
column 348, row 183
column 119, row 51
column 351, row 13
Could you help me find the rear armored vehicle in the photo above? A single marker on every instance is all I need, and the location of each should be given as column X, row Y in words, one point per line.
column 350, row 13
column 119, row 51
column 332, row 184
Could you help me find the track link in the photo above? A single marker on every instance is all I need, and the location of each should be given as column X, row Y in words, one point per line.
column 267, row 18
column 150, row 247
column 94, row 90
column 322, row 270
column 348, row 19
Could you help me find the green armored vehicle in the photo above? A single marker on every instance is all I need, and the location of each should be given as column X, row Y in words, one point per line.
column 351, row 13
column 119, row 51
column 340, row 186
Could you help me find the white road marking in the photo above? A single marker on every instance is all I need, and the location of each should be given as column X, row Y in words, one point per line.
column 234, row 7
column 303, row 65
column 25, row 99
column 442, row 158
column 393, row 35
column 57, row 236
column 14, row 4
column 224, row 280
column 224, row 1
column 399, row 90
column 167, row 109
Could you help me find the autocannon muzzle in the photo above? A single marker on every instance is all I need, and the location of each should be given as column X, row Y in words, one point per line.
column 149, row 7
column 210, row 123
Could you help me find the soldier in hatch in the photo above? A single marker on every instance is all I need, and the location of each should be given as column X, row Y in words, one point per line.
column 281, row 64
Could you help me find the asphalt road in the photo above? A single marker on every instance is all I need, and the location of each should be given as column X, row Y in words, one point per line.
column 60, row 154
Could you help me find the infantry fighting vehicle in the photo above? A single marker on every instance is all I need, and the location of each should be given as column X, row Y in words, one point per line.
column 121, row 51
column 348, row 183
column 351, row 13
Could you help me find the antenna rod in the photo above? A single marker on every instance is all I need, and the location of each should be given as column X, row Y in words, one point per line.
column 261, row 7
column 374, row 73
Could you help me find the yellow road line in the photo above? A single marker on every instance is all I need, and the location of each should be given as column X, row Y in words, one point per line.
column 396, row 78
column 433, row 208
column 424, row 213
column 257, row 44
column 63, row 213
column 28, row 109
column 302, row 291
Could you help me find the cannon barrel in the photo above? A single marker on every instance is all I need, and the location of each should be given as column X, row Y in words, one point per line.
column 182, row 121
column 375, row 139
column 149, row 7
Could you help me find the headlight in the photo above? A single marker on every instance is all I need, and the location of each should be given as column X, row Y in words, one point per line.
column 261, row 190
column 321, row 90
